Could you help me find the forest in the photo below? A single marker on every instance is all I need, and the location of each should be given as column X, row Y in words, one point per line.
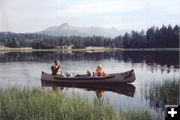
column 154, row 37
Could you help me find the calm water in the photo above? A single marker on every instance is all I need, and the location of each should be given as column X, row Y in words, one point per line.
column 23, row 69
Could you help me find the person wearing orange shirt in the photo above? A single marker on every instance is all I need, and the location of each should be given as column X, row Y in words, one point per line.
column 100, row 71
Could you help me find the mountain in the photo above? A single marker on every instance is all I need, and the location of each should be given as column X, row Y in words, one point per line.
column 66, row 30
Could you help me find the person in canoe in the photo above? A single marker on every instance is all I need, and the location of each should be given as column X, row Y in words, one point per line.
column 89, row 73
column 55, row 68
column 85, row 75
column 100, row 71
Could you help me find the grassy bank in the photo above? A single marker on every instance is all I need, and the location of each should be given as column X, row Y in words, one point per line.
column 39, row 104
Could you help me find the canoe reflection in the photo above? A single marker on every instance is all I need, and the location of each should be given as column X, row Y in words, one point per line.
column 120, row 88
column 57, row 88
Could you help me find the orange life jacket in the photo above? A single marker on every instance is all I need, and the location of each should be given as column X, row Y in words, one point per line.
column 100, row 73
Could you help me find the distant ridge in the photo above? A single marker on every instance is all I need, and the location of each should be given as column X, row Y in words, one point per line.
column 66, row 30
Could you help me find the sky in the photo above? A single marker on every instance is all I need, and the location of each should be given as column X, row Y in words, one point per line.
column 36, row 15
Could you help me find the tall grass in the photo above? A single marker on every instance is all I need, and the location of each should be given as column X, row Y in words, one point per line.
column 39, row 104
column 166, row 92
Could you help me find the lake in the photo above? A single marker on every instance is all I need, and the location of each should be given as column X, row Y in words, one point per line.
column 152, row 69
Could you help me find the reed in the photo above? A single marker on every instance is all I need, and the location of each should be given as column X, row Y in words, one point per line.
column 166, row 92
column 40, row 104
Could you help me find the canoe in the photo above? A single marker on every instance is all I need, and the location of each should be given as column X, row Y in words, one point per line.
column 125, row 77
column 119, row 88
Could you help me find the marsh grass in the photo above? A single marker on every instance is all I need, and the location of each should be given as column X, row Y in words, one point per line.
column 40, row 104
column 167, row 91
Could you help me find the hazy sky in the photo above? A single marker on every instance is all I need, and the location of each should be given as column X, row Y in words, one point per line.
column 35, row 15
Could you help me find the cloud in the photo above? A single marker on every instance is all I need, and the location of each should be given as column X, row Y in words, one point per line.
column 3, row 16
column 99, row 7
column 33, row 15
column 118, row 6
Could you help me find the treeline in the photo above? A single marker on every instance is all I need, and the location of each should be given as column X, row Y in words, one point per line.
column 14, row 40
column 154, row 37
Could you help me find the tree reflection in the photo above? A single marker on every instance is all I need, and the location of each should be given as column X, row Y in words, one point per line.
column 153, row 67
column 153, row 59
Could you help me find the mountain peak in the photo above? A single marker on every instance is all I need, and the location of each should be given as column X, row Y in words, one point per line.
column 64, row 25
column 66, row 30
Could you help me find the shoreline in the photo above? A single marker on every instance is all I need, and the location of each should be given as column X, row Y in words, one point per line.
column 90, row 50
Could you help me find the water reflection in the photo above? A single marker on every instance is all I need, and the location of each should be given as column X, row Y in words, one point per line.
column 99, row 93
column 56, row 88
column 119, row 88
column 162, row 58
column 149, row 67
column 154, row 67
